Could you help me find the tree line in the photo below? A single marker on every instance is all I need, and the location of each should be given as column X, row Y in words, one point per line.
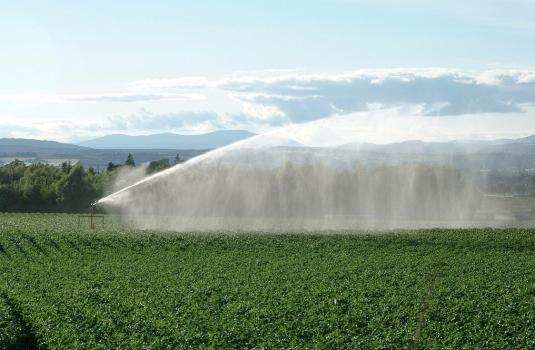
column 67, row 188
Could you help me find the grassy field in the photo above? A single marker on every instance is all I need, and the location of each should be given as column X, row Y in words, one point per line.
column 63, row 286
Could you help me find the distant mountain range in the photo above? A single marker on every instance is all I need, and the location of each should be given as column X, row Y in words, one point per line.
column 459, row 144
column 503, row 155
column 32, row 151
column 31, row 145
column 115, row 148
column 168, row 140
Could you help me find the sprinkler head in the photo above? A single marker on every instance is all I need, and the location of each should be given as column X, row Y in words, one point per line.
column 94, row 206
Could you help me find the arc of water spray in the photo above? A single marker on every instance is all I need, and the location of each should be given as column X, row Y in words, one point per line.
column 269, row 188
column 191, row 162
column 285, row 130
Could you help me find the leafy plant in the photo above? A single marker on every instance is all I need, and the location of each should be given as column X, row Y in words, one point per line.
column 122, row 288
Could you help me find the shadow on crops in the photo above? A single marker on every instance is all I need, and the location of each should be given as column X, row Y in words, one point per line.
column 72, row 245
column 26, row 337
column 34, row 244
column 4, row 252
column 21, row 250
column 54, row 244
column 448, row 242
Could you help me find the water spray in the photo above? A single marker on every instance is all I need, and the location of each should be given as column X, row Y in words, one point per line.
column 362, row 171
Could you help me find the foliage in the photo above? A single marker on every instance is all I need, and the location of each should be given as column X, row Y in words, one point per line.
column 112, row 166
column 519, row 183
column 47, row 188
column 158, row 165
column 42, row 187
column 130, row 160
column 178, row 160
column 121, row 288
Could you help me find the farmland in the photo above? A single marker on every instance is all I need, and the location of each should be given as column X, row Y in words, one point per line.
column 64, row 286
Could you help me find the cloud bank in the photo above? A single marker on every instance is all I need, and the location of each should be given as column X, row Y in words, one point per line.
column 263, row 100
column 140, row 122
column 294, row 98
column 113, row 97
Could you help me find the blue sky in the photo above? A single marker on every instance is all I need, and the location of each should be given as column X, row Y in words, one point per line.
column 72, row 70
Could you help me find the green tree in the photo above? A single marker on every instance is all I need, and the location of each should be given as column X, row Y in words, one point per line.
column 130, row 160
column 111, row 166
column 12, row 172
column 158, row 165
column 9, row 199
column 66, row 167
column 74, row 191
column 37, row 187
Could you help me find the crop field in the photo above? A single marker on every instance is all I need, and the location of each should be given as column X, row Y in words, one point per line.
column 64, row 286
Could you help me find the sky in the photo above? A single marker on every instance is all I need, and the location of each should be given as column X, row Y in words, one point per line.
column 75, row 70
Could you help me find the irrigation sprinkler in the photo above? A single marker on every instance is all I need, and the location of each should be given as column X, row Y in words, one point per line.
column 92, row 216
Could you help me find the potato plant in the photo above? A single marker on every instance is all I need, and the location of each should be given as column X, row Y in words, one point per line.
column 64, row 286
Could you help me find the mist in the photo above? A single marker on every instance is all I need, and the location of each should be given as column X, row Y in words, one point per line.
column 127, row 176
column 364, row 171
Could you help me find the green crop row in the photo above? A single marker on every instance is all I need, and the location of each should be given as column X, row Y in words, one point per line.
column 64, row 286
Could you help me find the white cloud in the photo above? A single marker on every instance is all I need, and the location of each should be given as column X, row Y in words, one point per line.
column 113, row 97
column 141, row 122
column 270, row 77
column 177, row 83
column 299, row 97
column 146, row 120
column 506, row 77
column 379, row 124
column 272, row 98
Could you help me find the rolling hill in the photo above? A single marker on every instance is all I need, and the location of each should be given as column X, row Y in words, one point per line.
column 168, row 140
column 506, row 155
column 9, row 145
